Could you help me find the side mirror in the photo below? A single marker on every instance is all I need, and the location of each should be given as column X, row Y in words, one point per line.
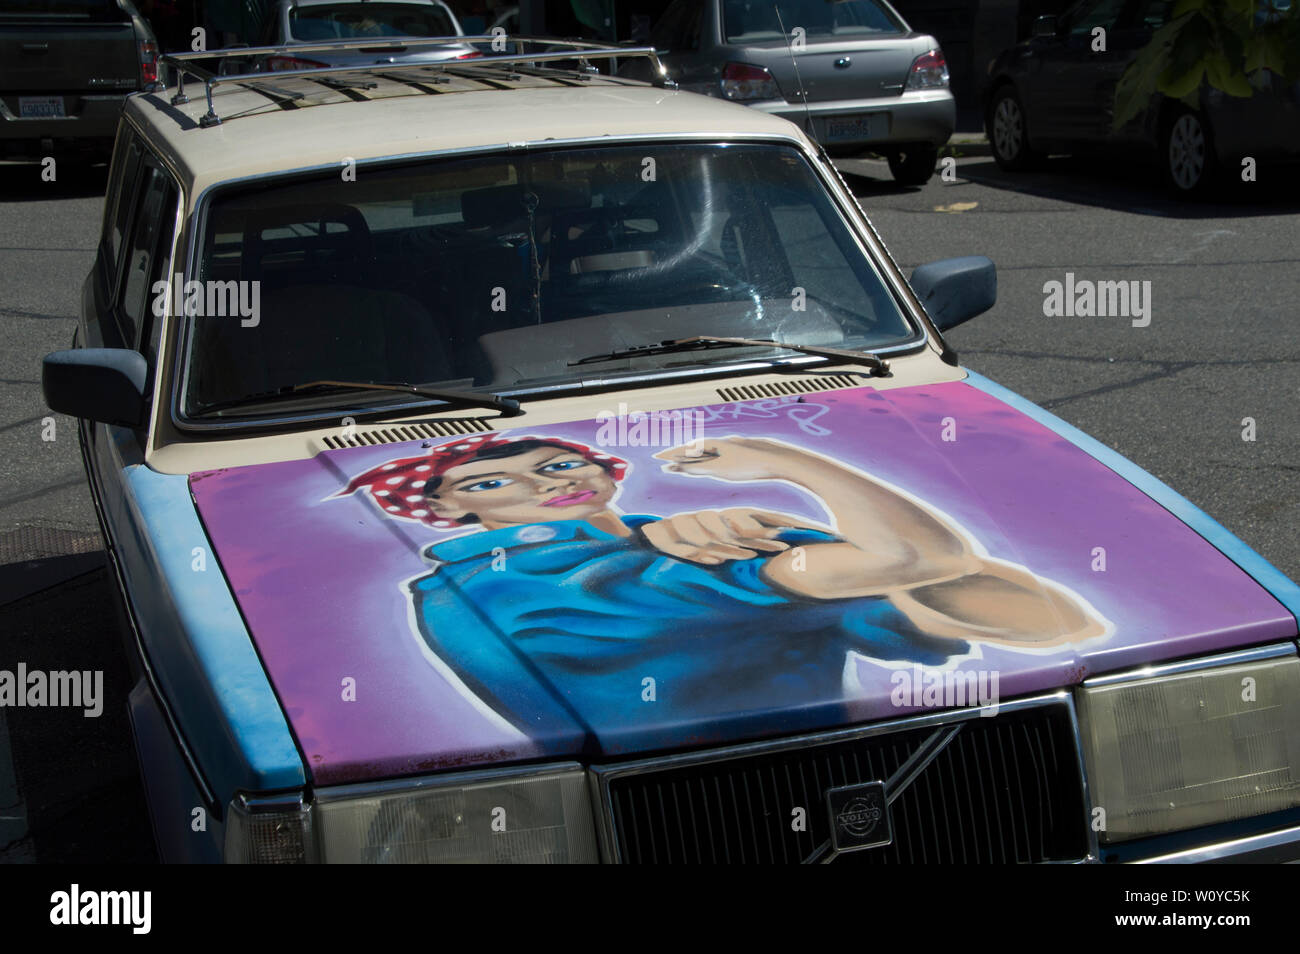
column 99, row 384
column 1044, row 28
column 956, row 289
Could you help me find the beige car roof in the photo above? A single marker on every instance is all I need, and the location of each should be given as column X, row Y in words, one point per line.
column 263, row 130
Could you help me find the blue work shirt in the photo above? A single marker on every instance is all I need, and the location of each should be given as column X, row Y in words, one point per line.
column 559, row 623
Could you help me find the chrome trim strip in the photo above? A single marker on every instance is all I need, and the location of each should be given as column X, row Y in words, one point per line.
column 920, row 760
column 603, row 775
column 1235, row 657
column 1226, row 850
column 851, row 212
column 1094, row 839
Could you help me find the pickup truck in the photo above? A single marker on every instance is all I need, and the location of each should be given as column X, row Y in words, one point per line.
column 66, row 67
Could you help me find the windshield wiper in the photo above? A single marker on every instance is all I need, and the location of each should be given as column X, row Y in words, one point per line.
column 508, row 407
column 702, row 342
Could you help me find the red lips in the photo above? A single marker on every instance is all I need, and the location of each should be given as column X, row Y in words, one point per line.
column 569, row 500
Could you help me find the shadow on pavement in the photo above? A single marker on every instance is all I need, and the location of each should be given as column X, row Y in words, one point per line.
column 74, row 178
column 870, row 177
column 70, row 787
column 1136, row 187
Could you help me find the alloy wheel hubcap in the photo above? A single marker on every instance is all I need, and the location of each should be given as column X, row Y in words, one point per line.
column 1008, row 128
column 1186, row 152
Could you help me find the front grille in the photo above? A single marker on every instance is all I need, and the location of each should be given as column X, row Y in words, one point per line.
column 1005, row 789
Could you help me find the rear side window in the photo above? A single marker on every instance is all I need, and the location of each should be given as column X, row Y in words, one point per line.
column 1098, row 13
column 121, row 189
column 146, row 227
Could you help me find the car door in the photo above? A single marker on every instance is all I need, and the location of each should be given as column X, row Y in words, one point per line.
column 136, row 254
column 1131, row 35
column 1066, row 90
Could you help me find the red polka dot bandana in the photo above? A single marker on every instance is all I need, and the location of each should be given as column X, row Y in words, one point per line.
column 398, row 486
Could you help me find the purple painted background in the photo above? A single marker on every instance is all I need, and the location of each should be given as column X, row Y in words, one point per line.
column 321, row 581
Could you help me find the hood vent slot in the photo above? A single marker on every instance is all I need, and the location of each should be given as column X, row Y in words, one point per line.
column 399, row 433
column 825, row 382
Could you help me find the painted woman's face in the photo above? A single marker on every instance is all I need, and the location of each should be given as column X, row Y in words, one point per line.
column 544, row 484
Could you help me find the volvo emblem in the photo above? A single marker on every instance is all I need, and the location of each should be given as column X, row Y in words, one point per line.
column 843, row 63
column 859, row 816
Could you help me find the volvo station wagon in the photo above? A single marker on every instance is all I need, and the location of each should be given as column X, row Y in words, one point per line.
column 504, row 462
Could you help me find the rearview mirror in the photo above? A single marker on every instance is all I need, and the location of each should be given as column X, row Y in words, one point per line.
column 956, row 289
column 100, row 384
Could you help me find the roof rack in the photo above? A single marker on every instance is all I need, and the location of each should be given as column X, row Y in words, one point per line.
column 185, row 64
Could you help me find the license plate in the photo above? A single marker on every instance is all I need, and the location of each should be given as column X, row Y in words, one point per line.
column 40, row 107
column 850, row 128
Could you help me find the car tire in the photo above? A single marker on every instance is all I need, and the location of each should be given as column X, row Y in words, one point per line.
column 913, row 165
column 1008, row 130
column 1187, row 159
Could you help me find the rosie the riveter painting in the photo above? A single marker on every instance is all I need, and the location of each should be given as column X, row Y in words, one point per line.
column 729, row 610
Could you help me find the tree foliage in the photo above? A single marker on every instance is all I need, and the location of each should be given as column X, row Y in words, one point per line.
column 1227, row 44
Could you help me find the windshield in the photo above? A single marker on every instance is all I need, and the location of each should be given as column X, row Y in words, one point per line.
column 756, row 21
column 498, row 272
column 346, row 21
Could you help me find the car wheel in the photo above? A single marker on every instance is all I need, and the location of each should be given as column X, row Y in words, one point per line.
column 1187, row 153
column 913, row 165
column 1008, row 130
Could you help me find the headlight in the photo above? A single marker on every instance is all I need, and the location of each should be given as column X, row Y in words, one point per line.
column 1191, row 749
column 540, row 816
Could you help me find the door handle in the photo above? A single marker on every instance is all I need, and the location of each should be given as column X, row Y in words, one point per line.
column 35, row 47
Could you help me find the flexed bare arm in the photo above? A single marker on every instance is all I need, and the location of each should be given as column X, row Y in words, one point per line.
column 895, row 547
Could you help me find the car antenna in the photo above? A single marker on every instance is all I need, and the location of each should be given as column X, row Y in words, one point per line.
column 803, row 93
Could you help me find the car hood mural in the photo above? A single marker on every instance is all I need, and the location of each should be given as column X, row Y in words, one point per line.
column 639, row 582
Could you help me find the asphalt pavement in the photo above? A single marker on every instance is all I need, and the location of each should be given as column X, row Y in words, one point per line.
column 1222, row 347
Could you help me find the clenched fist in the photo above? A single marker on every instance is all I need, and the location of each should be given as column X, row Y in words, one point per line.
column 731, row 458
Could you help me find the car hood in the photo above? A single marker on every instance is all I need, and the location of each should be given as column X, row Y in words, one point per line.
column 398, row 646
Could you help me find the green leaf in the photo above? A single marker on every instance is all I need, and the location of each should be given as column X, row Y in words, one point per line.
column 1181, row 85
column 1134, row 89
column 1138, row 84
column 1265, row 52
column 1222, row 75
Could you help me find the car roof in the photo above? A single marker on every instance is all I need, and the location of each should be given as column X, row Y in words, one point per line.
column 264, row 130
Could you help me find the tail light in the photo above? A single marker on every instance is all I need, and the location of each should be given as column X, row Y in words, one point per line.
column 469, row 56
column 276, row 63
column 743, row 81
column 148, row 63
column 929, row 71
